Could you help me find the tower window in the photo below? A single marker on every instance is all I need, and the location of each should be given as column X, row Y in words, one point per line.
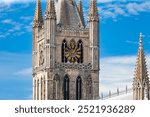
column 80, row 46
column 79, row 88
column 64, row 46
column 66, row 87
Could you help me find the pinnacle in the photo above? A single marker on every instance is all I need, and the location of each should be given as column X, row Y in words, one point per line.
column 38, row 12
column 93, row 8
column 141, row 69
column 80, row 9
column 50, row 7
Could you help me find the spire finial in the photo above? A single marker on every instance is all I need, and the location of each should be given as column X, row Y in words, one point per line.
column 141, row 40
column 38, row 14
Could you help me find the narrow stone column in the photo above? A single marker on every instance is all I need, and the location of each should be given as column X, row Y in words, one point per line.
column 46, row 89
column 33, row 88
column 40, row 89
column 36, row 90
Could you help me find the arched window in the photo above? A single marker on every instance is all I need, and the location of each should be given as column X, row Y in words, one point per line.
column 56, row 84
column 89, row 87
column 66, row 87
column 78, row 88
column 64, row 46
column 80, row 45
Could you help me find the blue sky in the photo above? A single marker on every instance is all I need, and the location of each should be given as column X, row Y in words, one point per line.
column 120, row 25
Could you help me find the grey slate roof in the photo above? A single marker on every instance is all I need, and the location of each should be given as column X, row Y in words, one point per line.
column 67, row 14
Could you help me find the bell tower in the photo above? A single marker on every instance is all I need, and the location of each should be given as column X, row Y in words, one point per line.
column 65, row 52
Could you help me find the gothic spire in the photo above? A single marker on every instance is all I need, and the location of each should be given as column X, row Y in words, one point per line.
column 68, row 14
column 50, row 9
column 38, row 15
column 141, row 80
column 93, row 11
column 80, row 9
column 141, row 67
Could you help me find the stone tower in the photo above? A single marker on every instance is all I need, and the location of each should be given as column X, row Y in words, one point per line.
column 141, row 80
column 65, row 52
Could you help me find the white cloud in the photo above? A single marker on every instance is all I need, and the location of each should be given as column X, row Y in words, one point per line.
column 8, row 2
column 135, row 8
column 15, row 28
column 131, row 42
column 113, row 10
column 15, row 1
column 26, row 1
column 7, row 21
column 12, row 62
column 117, row 72
column 104, row 1
column 125, row 96
column 26, row 18
column 24, row 72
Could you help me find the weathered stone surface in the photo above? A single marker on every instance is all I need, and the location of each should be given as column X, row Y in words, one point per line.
column 48, row 76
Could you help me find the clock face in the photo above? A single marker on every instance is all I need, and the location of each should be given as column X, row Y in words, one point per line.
column 72, row 52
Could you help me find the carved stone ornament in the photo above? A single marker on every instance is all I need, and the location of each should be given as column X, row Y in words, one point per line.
column 41, row 57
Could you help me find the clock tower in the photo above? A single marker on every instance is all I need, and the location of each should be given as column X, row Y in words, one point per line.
column 65, row 52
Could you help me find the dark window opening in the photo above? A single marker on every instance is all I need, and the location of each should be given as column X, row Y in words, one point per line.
column 66, row 87
column 64, row 46
column 79, row 88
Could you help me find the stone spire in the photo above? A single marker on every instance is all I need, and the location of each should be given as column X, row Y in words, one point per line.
column 50, row 9
column 141, row 67
column 93, row 11
column 80, row 9
column 38, row 20
column 68, row 14
column 141, row 80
